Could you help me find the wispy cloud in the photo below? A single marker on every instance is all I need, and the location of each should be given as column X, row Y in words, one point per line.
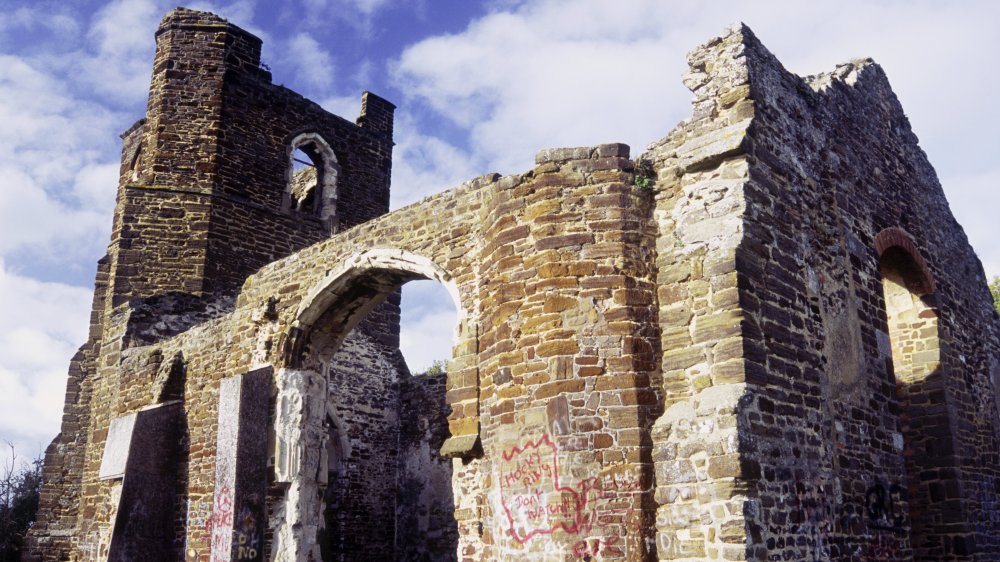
column 314, row 67
column 33, row 18
column 51, row 148
column 359, row 15
column 427, row 329
column 42, row 325
column 557, row 73
column 116, row 63
column 424, row 164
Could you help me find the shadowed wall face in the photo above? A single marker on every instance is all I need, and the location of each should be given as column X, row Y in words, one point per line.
column 932, row 494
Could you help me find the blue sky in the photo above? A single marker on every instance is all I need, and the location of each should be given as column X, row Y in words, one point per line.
column 480, row 86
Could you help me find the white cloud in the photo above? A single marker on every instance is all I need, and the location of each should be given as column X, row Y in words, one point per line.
column 56, row 194
column 559, row 73
column 33, row 18
column 314, row 68
column 427, row 326
column 119, row 66
column 545, row 75
column 54, row 191
column 423, row 165
column 31, row 218
column 345, row 106
column 41, row 327
column 365, row 7
column 358, row 14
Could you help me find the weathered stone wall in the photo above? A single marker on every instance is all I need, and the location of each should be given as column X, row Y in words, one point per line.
column 184, row 228
column 701, row 476
column 765, row 338
column 567, row 360
column 836, row 153
column 214, row 149
column 788, row 429
column 364, row 404
column 425, row 512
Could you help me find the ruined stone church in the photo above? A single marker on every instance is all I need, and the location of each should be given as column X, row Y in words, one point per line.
column 763, row 338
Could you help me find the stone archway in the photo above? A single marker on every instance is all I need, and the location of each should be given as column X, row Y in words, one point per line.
column 342, row 313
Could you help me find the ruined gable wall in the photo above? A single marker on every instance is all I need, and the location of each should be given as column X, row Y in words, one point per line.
column 783, row 427
column 832, row 166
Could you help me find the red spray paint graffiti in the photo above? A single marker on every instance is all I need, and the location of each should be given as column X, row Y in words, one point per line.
column 535, row 503
column 221, row 525
column 533, row 500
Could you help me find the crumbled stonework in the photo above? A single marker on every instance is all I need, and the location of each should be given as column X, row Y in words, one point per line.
column 764, row 338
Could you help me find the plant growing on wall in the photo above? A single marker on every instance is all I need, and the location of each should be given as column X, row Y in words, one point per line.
column 438, row 367
column 644, row 174
column 995, row 291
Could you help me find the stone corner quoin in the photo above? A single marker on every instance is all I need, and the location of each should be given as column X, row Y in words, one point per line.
column 763, row 338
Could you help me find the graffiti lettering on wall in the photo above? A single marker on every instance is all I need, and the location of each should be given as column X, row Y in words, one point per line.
column 595, row 547
column 536, row 503
column 884, row 506
column 221, row 522
column 247, row 536
column 232, row 538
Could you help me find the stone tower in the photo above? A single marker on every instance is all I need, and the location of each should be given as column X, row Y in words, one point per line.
column 225, row 173
column 205, row 195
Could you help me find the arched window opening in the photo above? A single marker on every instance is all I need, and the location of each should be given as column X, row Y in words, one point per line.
column 912, row 322
column 312, row 178
column 911, row 316
column 133, row 166
column 304, row 177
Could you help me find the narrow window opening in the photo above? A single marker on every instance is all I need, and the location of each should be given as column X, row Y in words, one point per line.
column 134, row 164
column 312, row 179
column 912, row 322
column 911, row 317
column 305, row 176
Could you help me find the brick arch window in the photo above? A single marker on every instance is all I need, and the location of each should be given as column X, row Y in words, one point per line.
column 911, row 315
column 312, row 178
column 912, row 322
